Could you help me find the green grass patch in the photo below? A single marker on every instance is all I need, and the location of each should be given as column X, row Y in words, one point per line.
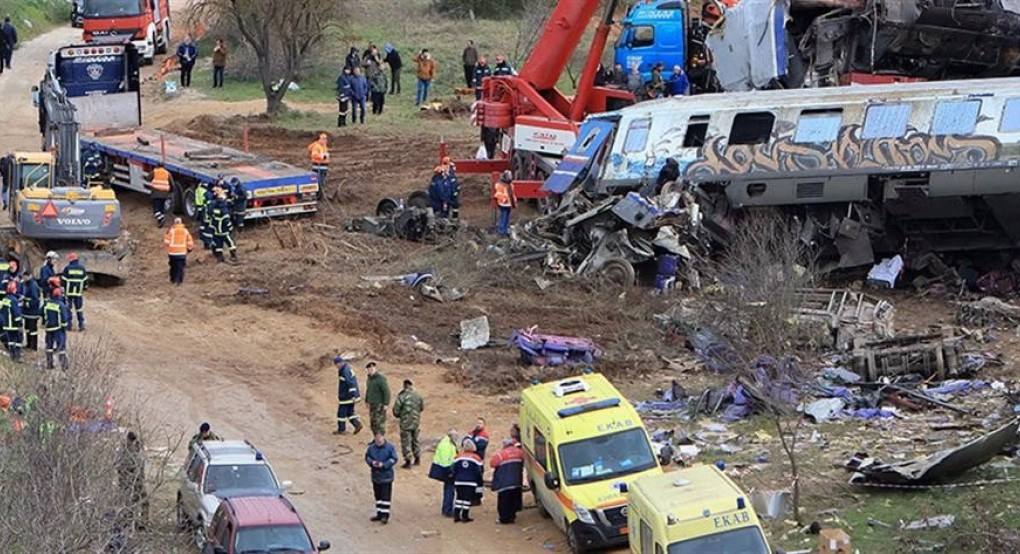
column 34, row 17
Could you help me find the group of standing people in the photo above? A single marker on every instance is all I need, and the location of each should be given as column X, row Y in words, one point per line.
column 363, row 78
column 458, row 462
column 27, row 300
column 187, row 55
column 477, row 68
column 220, row 212
column 660, row 86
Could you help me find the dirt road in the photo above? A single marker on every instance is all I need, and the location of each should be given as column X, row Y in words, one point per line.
column 193, row 353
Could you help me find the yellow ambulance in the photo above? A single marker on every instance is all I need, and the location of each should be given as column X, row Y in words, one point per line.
column 583, row 444
column 693, row 511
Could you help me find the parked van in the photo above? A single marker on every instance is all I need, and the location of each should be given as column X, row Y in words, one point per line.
column 693, row 511
column 583, row 443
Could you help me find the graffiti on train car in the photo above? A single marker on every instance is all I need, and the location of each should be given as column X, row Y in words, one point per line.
column 912, row 152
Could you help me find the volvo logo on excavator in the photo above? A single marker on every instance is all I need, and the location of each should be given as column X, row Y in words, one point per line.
column 74, row 221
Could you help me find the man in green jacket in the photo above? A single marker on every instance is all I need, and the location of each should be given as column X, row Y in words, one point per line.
column 377, row 396
column 408, row 408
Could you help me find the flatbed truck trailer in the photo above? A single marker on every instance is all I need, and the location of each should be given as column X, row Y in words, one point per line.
column 101, row 85
column 274, row 188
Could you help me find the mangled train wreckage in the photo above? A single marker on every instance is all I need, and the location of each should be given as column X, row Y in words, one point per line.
column 797, row 43
column 866, row 169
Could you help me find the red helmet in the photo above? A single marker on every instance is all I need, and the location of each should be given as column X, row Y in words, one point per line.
column 57, row 292
column 54, row 282
column 72, row 256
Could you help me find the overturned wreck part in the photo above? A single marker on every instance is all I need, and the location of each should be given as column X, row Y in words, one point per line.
column 838, row 317
column 867, row 171
column 797, row 43
column 927, row 355
column 939, row 467
column 410, row 221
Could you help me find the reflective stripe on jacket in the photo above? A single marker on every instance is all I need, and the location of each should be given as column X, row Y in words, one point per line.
column 56, row 315
column 178, row 240
column 74, row 279
column 467, row 470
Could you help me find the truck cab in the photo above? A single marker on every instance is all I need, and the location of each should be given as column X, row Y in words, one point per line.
column 146, row 23
column 583, row 443
column 693, row 511
column 653, row 32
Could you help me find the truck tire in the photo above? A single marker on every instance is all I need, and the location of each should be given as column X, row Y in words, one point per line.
column 176, row 198
column 573, row 545
column 188, row 203
column 419, row 199
column 183, row 523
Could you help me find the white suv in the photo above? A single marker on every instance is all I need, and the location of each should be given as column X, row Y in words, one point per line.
column 216, row 470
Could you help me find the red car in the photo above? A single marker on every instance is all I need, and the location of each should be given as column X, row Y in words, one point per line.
column 248, row 524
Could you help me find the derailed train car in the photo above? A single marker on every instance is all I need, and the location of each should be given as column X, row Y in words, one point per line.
column 866, row 169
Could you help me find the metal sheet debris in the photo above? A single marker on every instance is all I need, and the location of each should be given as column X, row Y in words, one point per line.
column 474, row 333
column 939, row 467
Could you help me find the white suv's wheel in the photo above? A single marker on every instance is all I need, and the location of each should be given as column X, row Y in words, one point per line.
column 182, row 518
column 198, row 532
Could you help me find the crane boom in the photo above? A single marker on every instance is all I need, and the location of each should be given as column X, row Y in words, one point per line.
column 557, row 43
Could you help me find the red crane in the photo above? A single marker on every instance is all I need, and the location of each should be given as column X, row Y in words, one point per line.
column 526, row 121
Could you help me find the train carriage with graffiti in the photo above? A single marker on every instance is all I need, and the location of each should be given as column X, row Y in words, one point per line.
column 869, row 167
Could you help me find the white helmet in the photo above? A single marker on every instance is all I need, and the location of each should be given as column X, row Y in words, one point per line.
column 51, row 255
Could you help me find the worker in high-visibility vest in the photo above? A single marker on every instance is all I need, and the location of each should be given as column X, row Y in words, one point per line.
column 159, row 190
column 503, row 196
column 178, row 243
column 56, row 319
column 222, row 227
column 202, row 197
column 73, row 280
column 10, row 316
column 319, row 153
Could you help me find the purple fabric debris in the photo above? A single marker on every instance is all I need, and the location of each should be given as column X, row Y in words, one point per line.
column 872, row 413
column 958, row 386
column 554, row 350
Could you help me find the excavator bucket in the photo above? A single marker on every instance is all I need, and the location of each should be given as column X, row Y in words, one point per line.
column 106, row 268
column 108, row 262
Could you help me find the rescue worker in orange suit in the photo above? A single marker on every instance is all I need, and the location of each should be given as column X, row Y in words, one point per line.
column 319, row 153
column 10, row 315
column 178, row 242
column 503, row 196
column 347, row 394
column 56, row 320
column 31, row 309
column 159, row 188
column 507, row 480
column 467, row 477
column 73, row 279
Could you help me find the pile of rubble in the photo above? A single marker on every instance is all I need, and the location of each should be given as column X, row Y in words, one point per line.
column 613, row 235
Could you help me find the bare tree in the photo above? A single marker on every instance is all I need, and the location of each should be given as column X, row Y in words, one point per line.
column 282, row 33
column 63, row 486
column 530, row 27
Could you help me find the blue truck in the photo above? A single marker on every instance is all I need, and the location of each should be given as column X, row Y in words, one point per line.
column 101, row 83
column 653, row 32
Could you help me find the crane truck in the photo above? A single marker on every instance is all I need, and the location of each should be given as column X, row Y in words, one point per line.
column 526, row 121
